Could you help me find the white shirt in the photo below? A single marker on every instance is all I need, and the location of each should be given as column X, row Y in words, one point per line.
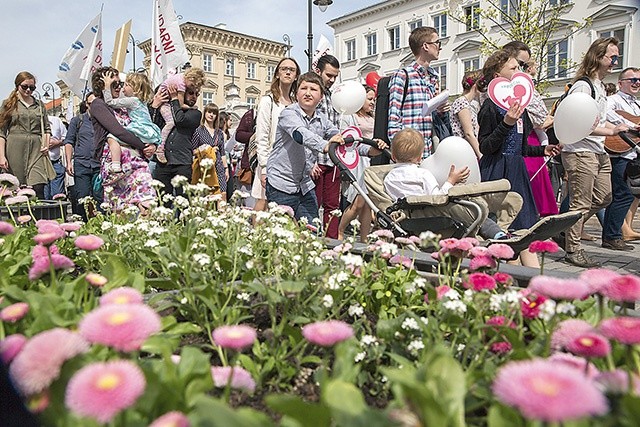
column 58, row 131
column 409, row 179
column 625, row 102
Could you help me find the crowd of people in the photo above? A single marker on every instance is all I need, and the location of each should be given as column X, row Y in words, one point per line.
column 126, row 135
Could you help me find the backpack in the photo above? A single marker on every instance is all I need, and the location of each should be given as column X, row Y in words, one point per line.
column 551, row 133
column 381, row 117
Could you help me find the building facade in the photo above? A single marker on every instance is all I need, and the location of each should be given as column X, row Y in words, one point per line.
column 239, row 68
column 376, row 38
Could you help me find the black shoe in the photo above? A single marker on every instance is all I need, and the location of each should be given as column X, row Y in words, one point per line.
column 616, row 245
column 580, row 259
column 560, row 239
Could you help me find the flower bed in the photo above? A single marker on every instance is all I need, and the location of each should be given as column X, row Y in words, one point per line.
column 215, row 321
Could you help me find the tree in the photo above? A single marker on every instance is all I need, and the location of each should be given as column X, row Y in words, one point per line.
column 538, row 23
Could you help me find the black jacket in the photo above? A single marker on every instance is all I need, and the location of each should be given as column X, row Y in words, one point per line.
column 178, row 146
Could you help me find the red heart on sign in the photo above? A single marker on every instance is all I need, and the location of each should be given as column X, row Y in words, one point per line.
column 504, row 92
column 347, row 153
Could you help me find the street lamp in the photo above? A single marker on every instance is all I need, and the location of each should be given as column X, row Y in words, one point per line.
column 46, row 86
column 134, row 43
column 322, row 5
column 287, row 40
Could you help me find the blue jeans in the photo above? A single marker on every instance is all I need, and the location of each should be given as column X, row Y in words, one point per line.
column 56, row 185
column 303, row 205
column 620, row 203
column 83, row 187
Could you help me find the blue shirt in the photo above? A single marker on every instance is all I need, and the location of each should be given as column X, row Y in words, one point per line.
column 80, row 137
column 290, row 163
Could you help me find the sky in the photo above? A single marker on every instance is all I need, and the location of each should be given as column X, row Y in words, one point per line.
column 35, row 34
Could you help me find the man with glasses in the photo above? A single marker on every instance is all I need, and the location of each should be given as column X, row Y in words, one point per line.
column 619, row 214
column 586, row 162
column 421, row 82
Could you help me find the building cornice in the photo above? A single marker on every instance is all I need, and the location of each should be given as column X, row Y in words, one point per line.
column 366, row 12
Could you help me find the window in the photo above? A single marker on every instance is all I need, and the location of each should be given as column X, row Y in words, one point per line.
column 619, row 34
column 372, row 44
column 350, row 49
column 440, row 24
column 415, row 24
column 271, row 70
column 471, row 64
column 557, row 59
column 207, row 62
column 394, row 38
column 472, row 17
column 251, row 70
column 558, row 2
column 509, row 8
column 207, row 98
column 230, row 69
column 251, row 102
column 442, row 72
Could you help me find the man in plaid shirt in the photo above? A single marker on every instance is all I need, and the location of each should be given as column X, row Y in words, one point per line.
column 405, row 109
column 325, row 174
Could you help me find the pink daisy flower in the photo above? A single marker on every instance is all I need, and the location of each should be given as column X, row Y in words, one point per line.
column 479, row 251
column 48, row 234
column 480, row 282
column 124, row 327
column 500, row 321
column 123, row 295
column 6, row 228
column 11, row 346
column 16, row 200
column 504, row 279
column 89, row 242
column 171, row 419
column 59, row 196
column 9, row 181
column 567, row 331
column 466, row 244
column 483, row 261
column 542, row 390
column 622, row 289
column 617, row 382
column 559, row 289
column 596, row 278
column 402, row 260
column 383, row 234
column 14, row 312
column 441, row 291
column 96, row 280
column 501, row 251
column 530, row 305
column 41, row 265
column 23, row 219
column 327, row 333
column 42, row 222
column 501, row 347
column 589, row 345
column 580, row 364
column 102, row 390
column 625, row 330
column 239, row 378
column 29, row 192
column 235, row 337
column 70, row 226
column 544, row 246
column 41, row 358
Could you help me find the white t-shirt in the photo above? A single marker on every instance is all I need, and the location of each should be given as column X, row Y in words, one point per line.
column 591, row 143
column 408, row 179
column 58, row 131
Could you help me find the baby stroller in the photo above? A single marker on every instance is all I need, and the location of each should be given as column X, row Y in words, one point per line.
column 458, row 214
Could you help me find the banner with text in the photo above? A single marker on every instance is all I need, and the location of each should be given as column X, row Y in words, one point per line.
column 168, row 50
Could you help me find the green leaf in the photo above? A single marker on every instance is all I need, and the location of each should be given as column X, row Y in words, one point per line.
column 210, row 412
column 308, row 414
column 503, row 416
column 293, row 287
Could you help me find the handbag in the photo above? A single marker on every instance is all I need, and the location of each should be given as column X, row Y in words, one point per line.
column 245, row 176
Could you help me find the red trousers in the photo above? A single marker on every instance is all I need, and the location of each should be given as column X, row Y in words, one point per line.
column 328, row 195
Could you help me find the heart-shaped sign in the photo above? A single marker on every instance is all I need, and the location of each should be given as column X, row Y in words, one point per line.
column 347, row 153
column 504, row 92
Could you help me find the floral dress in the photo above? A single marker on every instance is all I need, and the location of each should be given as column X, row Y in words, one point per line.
column 201, row 136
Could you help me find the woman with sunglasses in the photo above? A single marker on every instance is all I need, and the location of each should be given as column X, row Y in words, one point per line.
column 24, row 136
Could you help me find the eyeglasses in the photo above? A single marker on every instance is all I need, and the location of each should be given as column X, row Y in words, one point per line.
column 437, row 43
column 523, row 66
column 28, row 87
column 117, row 85
column 633, row 80
column 613, row 58
column 288, row 69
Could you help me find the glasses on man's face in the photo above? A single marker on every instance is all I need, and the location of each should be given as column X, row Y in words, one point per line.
column 437, row 43
column 285, row 70
column 613, row 58
column 523, row 66
column 28, row 87
column 632, row 80
column 117, row 85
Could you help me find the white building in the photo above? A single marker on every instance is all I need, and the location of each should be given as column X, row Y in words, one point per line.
column 376, row 38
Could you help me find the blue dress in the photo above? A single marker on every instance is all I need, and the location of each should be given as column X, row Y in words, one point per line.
column 508, row 162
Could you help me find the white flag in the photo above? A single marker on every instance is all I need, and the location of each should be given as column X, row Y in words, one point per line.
column 167, row 46
column 83, row 58
column 70, row 109
column 324, row 48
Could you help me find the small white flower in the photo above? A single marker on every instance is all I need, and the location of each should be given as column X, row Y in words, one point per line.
column 410, row 323
column 172, row 265
column 415, row 345
column 368, row 340
column 566, row 308
column 460, row 348
column 336, row 213
column 424, row 320
column 352, row 260
column 179, row 180
column 457, row 307
column 468, row 295
column 181, row 202
column 167, row 198
column 244, row 296
column 151, row 243
column 355, row 223
column 183, row 300
column 206, row 163
column 327, row 301
column 451, row 295
column 355, row 310
column 249, row 264
column 335, row 281
column 384, row 379
column 360, row 356
column 106, row 225
column 157, row 184
column 547, row 310
column 202, row 259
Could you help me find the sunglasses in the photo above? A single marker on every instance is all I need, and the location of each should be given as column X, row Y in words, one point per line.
column 613, row 58
column 117, row 85
column 28, row 87
column 523, row 66
column 437, row 43
column 633, row 80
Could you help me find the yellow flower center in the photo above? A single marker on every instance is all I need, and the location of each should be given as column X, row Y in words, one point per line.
column 108, row 382
column 122, row 299
column 13, row 311
column 119, row 318
column 545, row 387
column 586, row 341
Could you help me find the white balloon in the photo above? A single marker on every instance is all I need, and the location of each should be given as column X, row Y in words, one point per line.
column 348, row 97
column 575, row 118
column 452, row 151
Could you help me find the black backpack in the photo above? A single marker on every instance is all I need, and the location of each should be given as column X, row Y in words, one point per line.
column 551, row 133
column 381, row 118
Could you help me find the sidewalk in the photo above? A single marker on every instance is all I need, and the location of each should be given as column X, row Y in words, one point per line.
column 625, row 262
